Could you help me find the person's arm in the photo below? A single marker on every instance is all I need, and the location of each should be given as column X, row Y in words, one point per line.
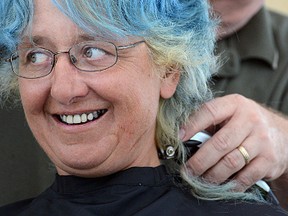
column 240, row 121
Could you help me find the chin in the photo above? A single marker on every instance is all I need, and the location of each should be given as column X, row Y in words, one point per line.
column 85, row 168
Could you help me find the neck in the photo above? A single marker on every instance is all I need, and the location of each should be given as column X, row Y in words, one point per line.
column 234, row 14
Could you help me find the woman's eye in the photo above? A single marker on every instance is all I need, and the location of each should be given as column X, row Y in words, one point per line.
column 94, row 53
column 37, row 57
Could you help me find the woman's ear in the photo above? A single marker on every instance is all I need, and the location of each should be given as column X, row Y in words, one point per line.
column 169, row 82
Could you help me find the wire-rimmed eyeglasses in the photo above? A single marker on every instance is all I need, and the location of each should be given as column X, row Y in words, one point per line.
column 88, row 56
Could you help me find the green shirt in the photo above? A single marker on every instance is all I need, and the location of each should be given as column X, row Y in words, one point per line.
column 255, row 61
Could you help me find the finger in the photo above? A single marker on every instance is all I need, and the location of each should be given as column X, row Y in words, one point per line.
column 230, row 164
column 250, row 174
column 217, row 111
column 211, row 113
column 220, row 144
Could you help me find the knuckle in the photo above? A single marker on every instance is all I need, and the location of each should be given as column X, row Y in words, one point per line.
column 192, row 125
column 272, row 159
column 270, row 176
column 246, row 180
column 214, row 177
column 238, row 97
column 264, row 135
column 221, row 142
column 257, row 119
column 253, row 110
column 211, row 108
column 271, row 169
column 232, row 161
column 196, row 165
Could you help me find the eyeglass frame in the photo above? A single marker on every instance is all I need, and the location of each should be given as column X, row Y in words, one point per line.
column 117, row 48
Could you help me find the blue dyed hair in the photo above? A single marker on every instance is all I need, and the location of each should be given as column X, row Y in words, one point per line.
column 14, row 16
column 14, row 19
column 179, row 34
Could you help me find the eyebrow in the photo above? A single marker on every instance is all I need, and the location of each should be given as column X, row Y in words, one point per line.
column 29, row 41
column 37, row 40
column 86, row 37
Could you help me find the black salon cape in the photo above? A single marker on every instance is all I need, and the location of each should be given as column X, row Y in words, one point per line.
column 136, row 191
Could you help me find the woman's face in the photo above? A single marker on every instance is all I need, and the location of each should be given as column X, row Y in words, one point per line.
column 125, row 96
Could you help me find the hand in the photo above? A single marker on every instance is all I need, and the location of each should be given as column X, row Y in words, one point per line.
column 262, row 132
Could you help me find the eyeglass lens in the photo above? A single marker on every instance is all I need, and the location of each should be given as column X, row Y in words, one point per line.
column 87, row 56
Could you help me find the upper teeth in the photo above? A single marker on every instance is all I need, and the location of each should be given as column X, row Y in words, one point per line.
column 81, row 118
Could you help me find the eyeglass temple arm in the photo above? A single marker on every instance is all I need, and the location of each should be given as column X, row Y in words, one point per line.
column 130, row 45
column 8, row 59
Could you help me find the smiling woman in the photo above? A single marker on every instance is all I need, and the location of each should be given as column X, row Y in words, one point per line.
column 104, row 86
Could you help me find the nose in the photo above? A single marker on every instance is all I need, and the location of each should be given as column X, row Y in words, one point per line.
column 67, row 85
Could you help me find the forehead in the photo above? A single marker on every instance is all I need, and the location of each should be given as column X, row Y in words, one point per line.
column 49, row 24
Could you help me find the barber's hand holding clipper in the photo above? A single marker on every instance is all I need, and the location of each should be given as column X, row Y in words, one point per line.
column 195, row 142
column 249, row 142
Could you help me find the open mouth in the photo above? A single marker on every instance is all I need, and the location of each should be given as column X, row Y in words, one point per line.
column 81, row 118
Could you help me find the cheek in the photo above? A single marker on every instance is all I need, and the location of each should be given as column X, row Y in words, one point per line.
column 137, row 103
column 33, row 95
column 134, row 94
column 137, row 90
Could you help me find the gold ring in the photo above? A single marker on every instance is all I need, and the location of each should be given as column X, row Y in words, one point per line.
column 244, row 153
